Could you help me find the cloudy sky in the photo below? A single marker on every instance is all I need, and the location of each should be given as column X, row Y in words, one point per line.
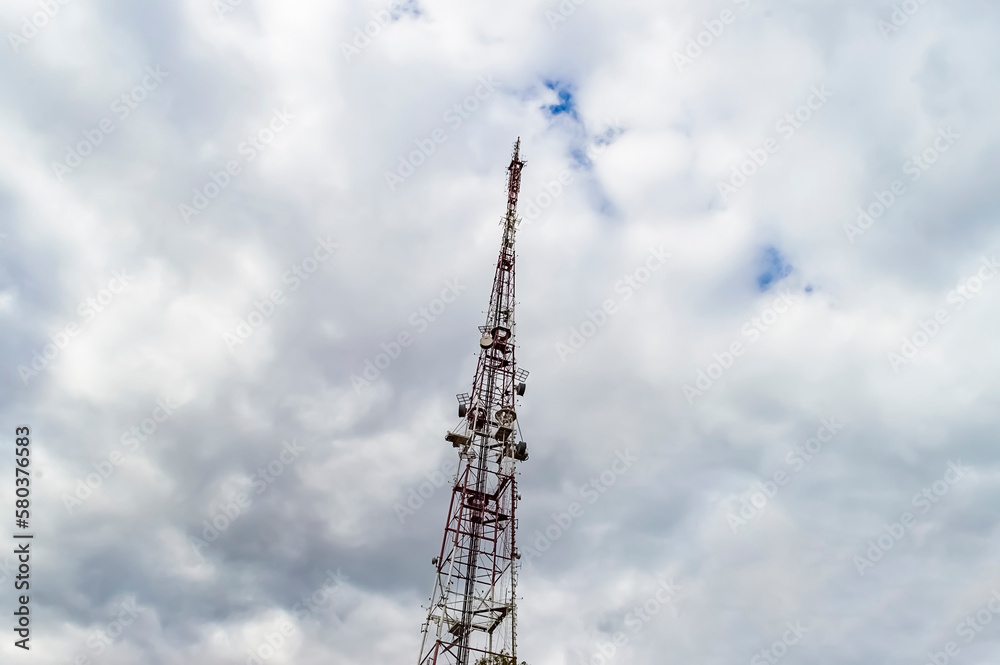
column 756, row 261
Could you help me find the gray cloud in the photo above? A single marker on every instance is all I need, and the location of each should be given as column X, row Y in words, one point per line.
column 641, row 148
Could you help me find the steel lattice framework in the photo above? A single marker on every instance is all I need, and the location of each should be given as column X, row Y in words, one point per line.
column 472, row 618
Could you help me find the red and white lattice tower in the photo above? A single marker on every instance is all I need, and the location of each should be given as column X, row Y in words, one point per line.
column 472, row 617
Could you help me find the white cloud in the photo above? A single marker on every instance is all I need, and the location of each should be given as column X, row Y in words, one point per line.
column 656, row 183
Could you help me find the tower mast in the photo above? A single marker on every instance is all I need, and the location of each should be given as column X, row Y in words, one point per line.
column 472, row 616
